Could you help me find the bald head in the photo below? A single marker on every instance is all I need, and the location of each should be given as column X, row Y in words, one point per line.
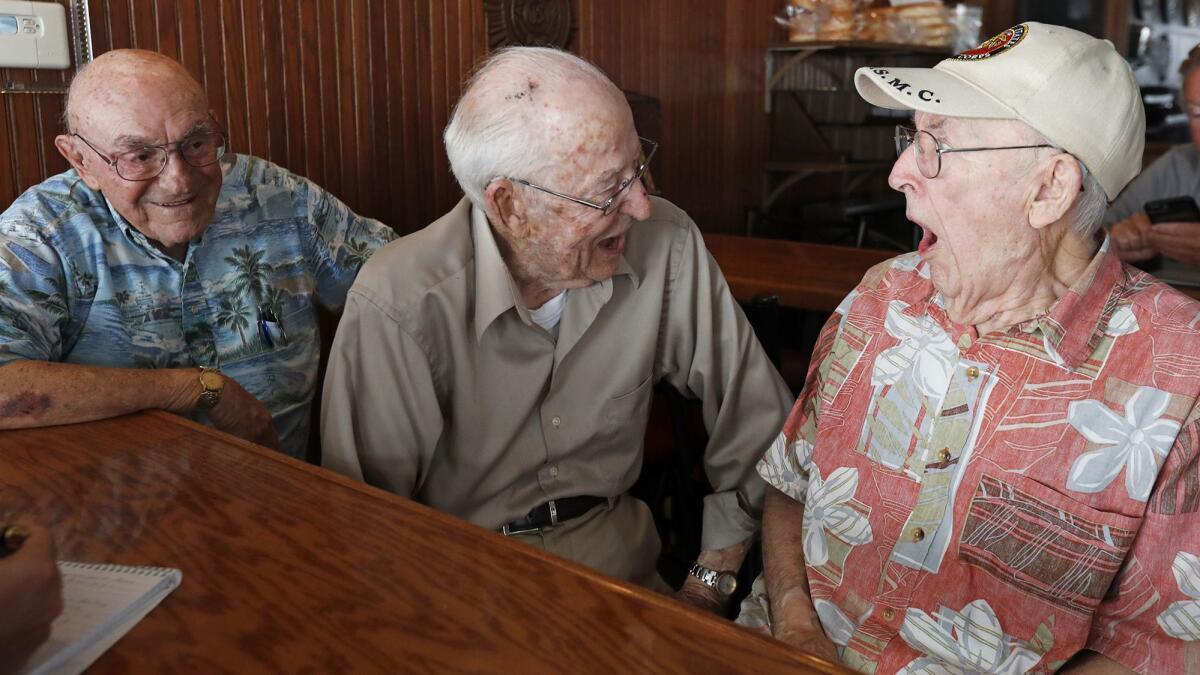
column 132, row 111
column 122, row 78
column 524, row 110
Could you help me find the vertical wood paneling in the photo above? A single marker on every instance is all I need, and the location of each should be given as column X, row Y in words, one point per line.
column 354, row 94
column 703, row 59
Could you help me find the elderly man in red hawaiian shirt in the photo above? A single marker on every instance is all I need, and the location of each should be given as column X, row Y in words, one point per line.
column 993, row 464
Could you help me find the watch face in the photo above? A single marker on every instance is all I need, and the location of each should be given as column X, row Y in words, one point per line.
column 211, row 380
column 726, row 583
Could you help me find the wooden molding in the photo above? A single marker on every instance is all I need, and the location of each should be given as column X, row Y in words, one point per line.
column 540, row 23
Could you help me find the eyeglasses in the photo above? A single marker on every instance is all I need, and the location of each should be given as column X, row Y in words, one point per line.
column 146, row 162
column 930, row 149
column 649, row 147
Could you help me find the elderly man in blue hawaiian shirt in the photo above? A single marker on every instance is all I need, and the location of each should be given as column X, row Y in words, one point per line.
column 161, row 272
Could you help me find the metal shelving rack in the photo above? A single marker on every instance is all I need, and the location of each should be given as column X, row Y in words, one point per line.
column 819, row 124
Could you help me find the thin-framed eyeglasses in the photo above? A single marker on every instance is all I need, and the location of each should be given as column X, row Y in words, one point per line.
column 649, row 147
column 930, row 150
column 199, row 149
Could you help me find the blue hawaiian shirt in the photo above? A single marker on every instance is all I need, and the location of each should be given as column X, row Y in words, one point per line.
column 78, row 284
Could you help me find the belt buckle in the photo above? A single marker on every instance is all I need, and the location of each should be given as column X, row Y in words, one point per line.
column 508, row 530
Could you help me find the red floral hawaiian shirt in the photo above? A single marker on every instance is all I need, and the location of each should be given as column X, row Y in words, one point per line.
column 998, row 503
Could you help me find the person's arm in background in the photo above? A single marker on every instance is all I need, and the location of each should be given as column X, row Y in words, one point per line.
column 1179, row 241
column 1172, row 175
column 1131, row 238
column 31, row 598
column 709, row 351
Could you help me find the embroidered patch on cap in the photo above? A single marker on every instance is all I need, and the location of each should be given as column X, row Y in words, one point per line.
column 996, row 45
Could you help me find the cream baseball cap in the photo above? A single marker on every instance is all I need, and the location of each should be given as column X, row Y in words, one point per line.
column 1071, row 87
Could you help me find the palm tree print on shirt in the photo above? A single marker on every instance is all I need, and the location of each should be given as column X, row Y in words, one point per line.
column 250, row 272
column 234, row 316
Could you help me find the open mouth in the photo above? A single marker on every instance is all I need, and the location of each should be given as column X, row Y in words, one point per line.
column 928, row 239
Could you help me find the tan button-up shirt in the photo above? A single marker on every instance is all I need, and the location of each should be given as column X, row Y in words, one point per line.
column 441, row 388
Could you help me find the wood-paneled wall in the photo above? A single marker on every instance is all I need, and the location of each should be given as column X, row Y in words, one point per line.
column 351, row 93
column 354, row 93
column 704, row 60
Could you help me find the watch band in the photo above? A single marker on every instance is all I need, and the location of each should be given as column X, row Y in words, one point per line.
column 722, row 582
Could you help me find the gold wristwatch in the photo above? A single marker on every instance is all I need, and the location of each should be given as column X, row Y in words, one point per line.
column 212, row 383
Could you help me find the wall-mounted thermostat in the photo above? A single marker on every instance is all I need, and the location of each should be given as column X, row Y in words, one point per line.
column 33, row 35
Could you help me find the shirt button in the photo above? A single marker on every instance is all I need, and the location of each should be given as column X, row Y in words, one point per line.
column 554, row 472
column 944, row 455
column 556, row 421
column 889, row 614
column 972, row 373
column 964, row 342
column 917, row 535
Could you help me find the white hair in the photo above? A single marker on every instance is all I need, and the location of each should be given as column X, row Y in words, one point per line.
column 1090, row 206
column 495, row 130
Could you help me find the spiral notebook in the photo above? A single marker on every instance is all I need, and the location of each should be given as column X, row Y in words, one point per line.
column 101, row 603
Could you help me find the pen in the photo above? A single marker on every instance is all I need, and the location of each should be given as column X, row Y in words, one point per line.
column 11, row 538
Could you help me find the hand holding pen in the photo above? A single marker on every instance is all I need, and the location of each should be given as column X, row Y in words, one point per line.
column 30, row 592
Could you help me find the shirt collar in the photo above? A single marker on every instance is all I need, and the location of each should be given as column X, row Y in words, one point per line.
column 1075, row 323
column 1073, row 326
column 496, row 291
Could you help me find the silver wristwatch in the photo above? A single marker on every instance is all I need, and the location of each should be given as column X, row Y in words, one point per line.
column 724, row 583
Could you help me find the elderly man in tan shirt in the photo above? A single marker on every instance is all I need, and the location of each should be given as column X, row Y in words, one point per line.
column 498, row 364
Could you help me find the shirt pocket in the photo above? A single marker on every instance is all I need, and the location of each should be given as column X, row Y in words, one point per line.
column 622, row 410
column 1044, row 543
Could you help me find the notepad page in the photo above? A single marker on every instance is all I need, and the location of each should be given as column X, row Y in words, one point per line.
column 100, row 604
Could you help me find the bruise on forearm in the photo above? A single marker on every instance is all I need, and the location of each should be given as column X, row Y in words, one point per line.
column 26, row 403
column 43, row 393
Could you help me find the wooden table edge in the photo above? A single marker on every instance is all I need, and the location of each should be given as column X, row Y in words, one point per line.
column 657, row 600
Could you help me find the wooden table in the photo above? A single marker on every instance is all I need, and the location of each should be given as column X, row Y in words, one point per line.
column 287, row 567
column 804, row 276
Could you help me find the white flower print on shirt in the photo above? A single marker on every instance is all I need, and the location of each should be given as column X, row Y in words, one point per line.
column 1181, row 620
column 1136, row 442
column 925, row 353
column 786, row 466
column 837, row 626
column 825, row 509
column 961, row 643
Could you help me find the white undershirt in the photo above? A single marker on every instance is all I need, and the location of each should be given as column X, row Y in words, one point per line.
column 548, row 315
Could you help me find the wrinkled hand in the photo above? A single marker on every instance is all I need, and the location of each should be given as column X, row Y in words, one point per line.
column 1131, row 238
column 798, row 626
column 31, row 595
column 697, row 594
column 244, row 416
column 1180, row 241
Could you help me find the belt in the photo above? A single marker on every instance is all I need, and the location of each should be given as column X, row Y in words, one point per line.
column 553, row 512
